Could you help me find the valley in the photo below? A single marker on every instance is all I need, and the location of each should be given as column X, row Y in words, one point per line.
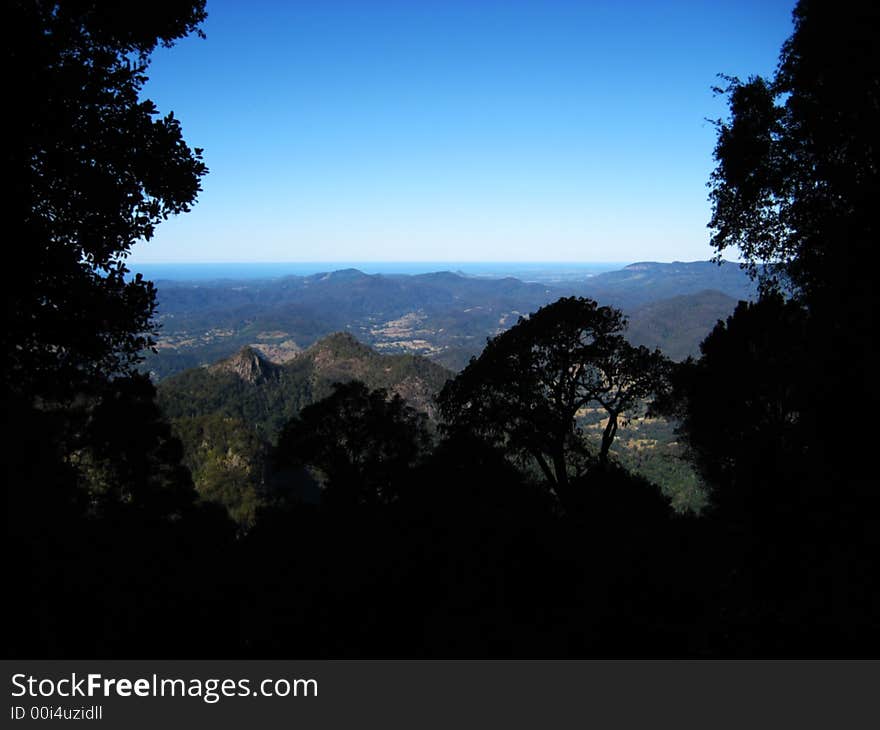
column 444, row 316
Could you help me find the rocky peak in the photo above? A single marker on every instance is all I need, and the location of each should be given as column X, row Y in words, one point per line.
column 247, row 364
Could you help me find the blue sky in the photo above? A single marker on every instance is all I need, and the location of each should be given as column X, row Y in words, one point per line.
column 455, row 131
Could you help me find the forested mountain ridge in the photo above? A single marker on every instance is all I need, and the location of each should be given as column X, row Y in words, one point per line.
column 677, row 325
column 228, row 415
column 265, row 395
column 444, row 315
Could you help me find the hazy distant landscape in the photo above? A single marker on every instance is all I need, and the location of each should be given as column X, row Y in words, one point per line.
column 445, row 315
column 239, row 357
column 528, row 271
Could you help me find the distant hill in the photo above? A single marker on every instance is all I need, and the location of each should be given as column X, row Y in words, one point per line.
column 679, row 324
column 443, row 316
column 644, row 282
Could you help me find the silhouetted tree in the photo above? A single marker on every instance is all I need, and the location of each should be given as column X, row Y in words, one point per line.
column 103, row 520
column 797, row 182
column 362, row 442
column 793, row 570
column 798, row 173
column 629, row 376
column 527, row 387
column 107, row 534
column 126, row 455
column 742, row 409
column 765, row 410
column 796, row 186
column 91, row 168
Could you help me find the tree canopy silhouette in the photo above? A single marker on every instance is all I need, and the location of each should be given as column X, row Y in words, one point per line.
column 765, row 410
column 527, row 387
column 362, row 442
column 740, row 407
column 796, row 185
column 798, row 173
column 92, row 169
column 103, row 516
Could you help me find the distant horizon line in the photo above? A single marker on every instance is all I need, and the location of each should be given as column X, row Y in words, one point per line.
column 421, row 261
column 528, row 271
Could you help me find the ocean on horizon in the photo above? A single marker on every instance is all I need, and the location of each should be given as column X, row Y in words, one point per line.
column 529, row 271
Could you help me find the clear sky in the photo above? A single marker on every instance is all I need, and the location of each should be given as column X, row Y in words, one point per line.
column 455, row 130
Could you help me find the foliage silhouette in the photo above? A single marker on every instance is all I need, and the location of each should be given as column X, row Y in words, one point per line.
column 798, row 173
column 526, row 388
column 92, row 170
column 765, row 407
column 111, row 549
column 360, row 441
column 746, row 372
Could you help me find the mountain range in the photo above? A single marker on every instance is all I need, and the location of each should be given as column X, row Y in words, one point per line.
column 444, row 316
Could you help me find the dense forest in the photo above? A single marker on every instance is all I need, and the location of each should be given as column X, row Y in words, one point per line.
column 388, row 507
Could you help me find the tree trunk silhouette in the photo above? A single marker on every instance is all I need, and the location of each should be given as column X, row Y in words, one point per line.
column 607, row 438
